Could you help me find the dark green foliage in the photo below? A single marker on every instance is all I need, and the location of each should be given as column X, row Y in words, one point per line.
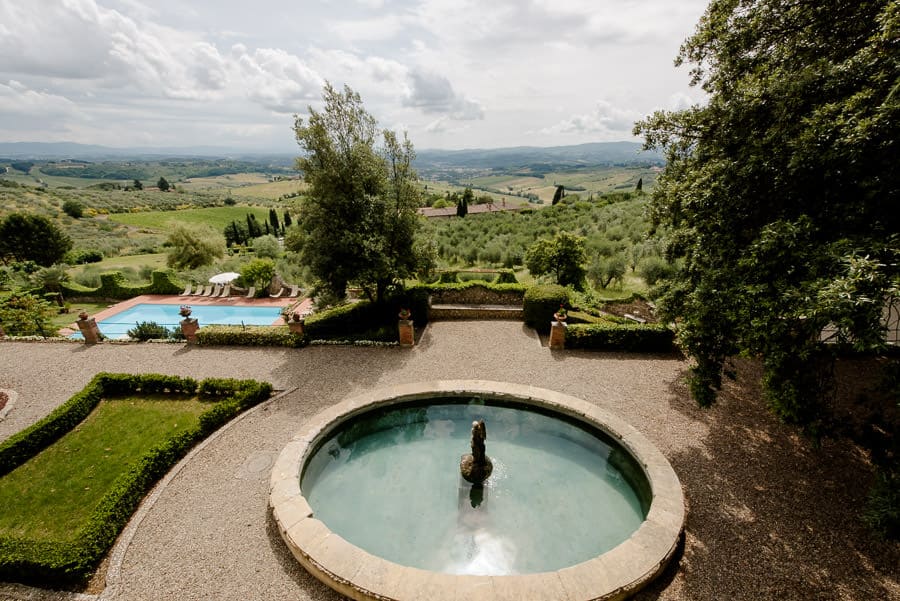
column 462, row 204
column 249, row 336
column 640, row 185
column 449, row 277
column 73, row 209
column 82, row 257
column 23, row 166
column 273, row 220
column 608, row 336
column 64, row 563
column 287, row 219
column 559, row 194
column 253, row 228
column 506, row 276
column 781, row 191
column 163, row 184
column 229, row 202
column 137, row 185
column 148, row 330
column 882, row 513
column 236, row 233
column 540, row 303
column 25, row 237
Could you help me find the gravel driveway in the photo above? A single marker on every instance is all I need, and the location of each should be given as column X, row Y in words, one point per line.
column 769, row 516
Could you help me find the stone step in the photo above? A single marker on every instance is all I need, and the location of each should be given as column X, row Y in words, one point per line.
column 447, row 312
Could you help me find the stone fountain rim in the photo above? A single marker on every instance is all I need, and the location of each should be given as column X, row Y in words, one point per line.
column 358, row 574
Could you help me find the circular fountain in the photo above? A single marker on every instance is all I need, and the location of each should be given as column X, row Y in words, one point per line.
column 373, row 499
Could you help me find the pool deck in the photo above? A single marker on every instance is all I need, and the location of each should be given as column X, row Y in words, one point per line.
column 769, row 515
column 171, row 299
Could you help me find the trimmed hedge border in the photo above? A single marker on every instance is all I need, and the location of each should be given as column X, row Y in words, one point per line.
column 249, row 336
column 473, row 292
column 114, row 286
column 638, row 338
column 64, row 563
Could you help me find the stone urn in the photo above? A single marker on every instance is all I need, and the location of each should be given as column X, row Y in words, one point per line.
column 295, row 324
column 189, row 327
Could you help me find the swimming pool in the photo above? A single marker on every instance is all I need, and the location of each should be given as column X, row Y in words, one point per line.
column 117, row 326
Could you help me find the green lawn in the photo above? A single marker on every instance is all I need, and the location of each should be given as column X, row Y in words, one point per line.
column 217, row 217
column 154, row 260
column 61, row 320
column 51, row 496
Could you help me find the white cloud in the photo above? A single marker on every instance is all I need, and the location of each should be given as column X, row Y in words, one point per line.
column 605, row 119
column 279, row 81
column 433, row 93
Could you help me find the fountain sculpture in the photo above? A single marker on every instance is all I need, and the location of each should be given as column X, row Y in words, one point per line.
column 476, row 467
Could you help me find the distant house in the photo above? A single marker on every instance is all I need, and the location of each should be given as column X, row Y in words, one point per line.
column 473, row 210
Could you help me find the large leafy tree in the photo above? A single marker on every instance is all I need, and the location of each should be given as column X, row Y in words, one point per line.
column 194, row 246
column 358, row 220
column 562, row 257
column 781, row 192
column 26, row 237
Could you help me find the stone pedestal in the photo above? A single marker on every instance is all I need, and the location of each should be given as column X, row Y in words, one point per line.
column 89, row 330
column 189, row 327
column 557, row 335
column 407, row 332
column 296, row 327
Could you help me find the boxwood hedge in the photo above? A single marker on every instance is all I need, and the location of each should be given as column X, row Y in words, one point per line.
column 63, row 563
column 540, row 303
column 639, row 338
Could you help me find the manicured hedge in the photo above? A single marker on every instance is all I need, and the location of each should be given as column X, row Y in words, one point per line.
column 474, row 292
column 249, row 336
column 540, row 303
column 63, row 563
column 639, row 338
column 114, row 285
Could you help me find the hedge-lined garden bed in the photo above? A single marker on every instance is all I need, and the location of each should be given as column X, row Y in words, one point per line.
column 71, row 559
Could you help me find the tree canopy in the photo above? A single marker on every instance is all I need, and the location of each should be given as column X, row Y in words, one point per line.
column 194, row 246
column 27, row 237
column 781, row 191
column 562, row 257
column 359, row 216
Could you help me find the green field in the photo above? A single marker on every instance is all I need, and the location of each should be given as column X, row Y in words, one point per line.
column 50, row 496
column 217, row 217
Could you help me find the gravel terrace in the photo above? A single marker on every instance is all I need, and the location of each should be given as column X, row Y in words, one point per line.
column 769, row 516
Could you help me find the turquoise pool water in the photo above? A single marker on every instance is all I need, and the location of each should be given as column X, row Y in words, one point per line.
column 117, row 326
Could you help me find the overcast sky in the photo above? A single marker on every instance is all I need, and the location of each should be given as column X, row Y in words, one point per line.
column 453, row 73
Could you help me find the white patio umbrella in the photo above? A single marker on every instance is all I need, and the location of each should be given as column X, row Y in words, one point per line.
column 224, row 278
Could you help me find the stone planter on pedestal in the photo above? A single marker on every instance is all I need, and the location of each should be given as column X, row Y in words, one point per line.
column 557, row 335
column 296, row 326
column 189, row 327
column 89, row 329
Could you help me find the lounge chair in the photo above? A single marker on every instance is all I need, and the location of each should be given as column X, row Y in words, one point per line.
column 277, row 294
column 198, row 291
column 187, row 290
column 226, row 291
column 208, row 291
column 217, row 290
column 295, row 290
column 252, row 292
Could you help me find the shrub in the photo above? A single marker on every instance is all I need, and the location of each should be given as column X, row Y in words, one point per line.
column 82, row 257
column 540, row 303
column 506, row 276
column 266, row 247
column 22, row 314
column 448, row 277
column 258, row 273
column 114, row 285
column 249, row 336
column 148, row 330
column 653, row 269
column 73, row 208
column 639, row 338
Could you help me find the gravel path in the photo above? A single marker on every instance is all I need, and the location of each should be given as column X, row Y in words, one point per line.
column 769, row 516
